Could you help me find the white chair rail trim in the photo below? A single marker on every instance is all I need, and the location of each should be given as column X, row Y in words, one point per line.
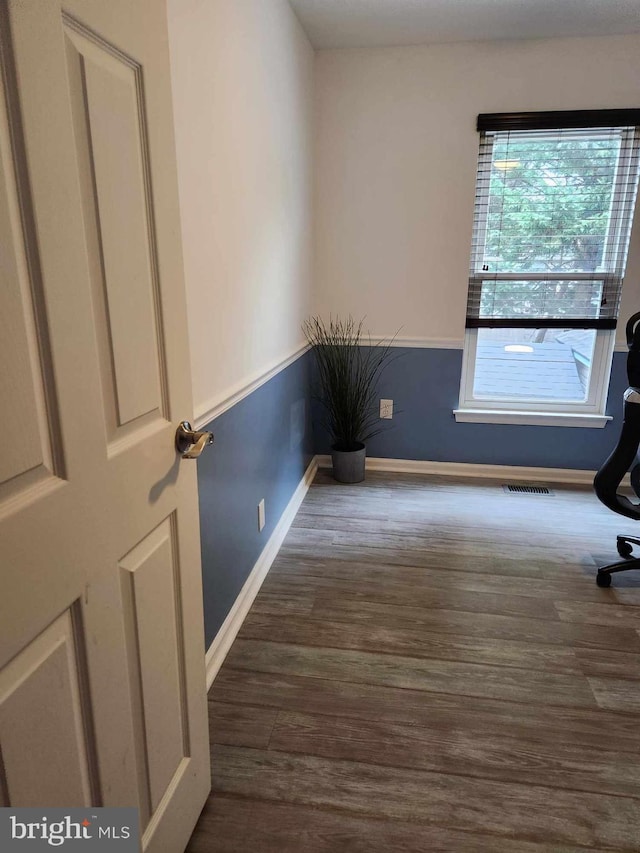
column 232, row 396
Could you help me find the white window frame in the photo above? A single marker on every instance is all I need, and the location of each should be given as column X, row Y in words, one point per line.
column 590, row 412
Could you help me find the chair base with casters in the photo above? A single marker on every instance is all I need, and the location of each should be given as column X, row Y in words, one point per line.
column 624, row 457
column 624, row 545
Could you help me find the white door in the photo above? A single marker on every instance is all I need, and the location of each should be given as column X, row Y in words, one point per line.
column 102, row 689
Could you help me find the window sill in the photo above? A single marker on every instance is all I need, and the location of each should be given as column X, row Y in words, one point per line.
column 498, row 416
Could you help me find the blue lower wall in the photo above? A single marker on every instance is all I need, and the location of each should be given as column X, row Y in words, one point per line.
column 264, row 444
column 262, row 447
column 424, row 385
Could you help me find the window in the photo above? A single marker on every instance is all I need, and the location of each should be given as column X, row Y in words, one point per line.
column 555, row 196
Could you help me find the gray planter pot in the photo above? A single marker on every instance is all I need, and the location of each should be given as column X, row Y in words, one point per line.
column 348, row 466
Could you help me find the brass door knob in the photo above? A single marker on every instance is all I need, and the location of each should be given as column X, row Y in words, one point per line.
column 190, row 443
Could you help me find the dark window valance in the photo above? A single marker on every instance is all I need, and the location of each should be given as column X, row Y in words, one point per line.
column 559, row 119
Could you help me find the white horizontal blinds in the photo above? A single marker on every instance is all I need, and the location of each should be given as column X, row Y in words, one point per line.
column 552, row 222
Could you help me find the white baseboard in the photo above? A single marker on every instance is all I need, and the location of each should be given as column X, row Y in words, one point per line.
column 221, row 644
column 467, row 469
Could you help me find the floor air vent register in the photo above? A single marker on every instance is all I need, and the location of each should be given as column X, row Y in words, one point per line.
column 518, row 489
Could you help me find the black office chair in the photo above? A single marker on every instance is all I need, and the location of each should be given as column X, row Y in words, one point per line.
column 624, row 456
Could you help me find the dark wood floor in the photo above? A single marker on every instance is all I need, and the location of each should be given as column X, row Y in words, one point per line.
column 430, row 666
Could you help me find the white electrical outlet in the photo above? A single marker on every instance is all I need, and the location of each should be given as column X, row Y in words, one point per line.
column 386, row 409
column 261, row 518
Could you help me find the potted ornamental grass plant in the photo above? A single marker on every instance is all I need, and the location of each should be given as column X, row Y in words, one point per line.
column 349, row 366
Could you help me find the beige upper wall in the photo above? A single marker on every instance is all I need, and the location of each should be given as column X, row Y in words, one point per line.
column 242, row 75
column 396, row 165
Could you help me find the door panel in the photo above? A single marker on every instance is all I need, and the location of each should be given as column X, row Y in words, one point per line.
column 150, row 580
column 43, row 706
column 24, row 411
column 101, row 613
column 107, row 98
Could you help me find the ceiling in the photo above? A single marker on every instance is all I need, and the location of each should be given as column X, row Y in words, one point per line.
column 369, row 23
